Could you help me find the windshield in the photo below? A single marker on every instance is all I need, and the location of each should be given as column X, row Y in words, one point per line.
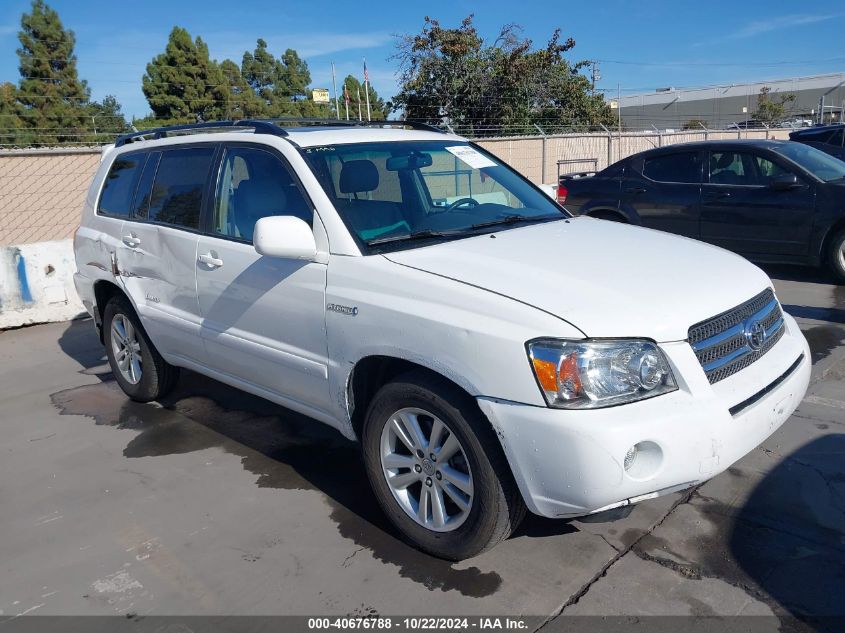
column 409, row 193
column 815, row 161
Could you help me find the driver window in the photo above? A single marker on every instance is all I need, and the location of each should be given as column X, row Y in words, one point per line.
column 743, row 168
column 254, row 184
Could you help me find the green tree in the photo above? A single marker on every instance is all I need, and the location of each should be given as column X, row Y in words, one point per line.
column 241, row 101
column 450, row 75
column 11, row 124
column 294, row 76
column 182, row 84
column 53, row 100
column 378, row 109
column 281, row 85
column 770, row 109
column 694, row 124
column 106, row 120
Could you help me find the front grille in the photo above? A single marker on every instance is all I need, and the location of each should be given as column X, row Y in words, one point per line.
column 722, row 344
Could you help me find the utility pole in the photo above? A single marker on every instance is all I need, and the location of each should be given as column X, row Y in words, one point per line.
column 595, row 76
column 619, row 107
column 821, row 110
column 336, row 103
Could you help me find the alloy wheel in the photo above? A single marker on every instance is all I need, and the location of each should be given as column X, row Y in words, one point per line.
column 427, row 469
column 126, row 348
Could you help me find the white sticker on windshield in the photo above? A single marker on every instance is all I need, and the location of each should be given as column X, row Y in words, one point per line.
column 471, row 157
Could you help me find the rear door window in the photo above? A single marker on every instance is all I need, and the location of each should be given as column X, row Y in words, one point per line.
column 120, row 184
column 180, row 185
column 684, row 167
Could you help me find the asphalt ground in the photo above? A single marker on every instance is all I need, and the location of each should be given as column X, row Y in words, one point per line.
column 214, row 502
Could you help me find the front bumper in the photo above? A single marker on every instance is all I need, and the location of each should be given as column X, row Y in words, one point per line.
column 571, row 463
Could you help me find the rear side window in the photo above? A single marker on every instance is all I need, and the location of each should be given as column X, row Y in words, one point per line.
column 120, row 184
column 179, row 186
column 836, row 138
column 684, row 167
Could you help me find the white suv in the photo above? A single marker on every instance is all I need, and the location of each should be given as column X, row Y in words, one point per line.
column 489, row 351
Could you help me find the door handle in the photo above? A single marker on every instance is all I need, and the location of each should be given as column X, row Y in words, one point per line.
column 715, row 195
column 131, row 240
column 210, row 260
column 635, row 190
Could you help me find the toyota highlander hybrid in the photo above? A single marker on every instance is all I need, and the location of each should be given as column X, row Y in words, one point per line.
column 490, row 352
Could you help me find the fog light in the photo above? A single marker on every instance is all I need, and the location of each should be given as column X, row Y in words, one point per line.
column 643, row 460
column 630, row 456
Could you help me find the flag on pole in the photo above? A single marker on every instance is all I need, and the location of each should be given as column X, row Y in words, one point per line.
column 367, row 88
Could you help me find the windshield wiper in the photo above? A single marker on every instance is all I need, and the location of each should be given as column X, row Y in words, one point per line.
column 515, row 219
column 416, row 235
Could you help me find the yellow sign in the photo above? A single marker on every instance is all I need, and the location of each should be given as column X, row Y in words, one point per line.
column 320, row 95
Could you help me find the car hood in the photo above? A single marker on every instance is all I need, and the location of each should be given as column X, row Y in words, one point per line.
column 607, row 279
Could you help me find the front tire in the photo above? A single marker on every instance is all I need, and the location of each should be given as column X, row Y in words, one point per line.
column 139, row 369
column 437, row 469
column 836, row 256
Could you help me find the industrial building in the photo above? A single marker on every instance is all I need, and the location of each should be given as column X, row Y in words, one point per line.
column 720, row 107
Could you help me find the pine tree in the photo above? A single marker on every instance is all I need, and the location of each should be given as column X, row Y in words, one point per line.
column 106, row 120
column 10, row 121
column 294, row 76
column 262, row 71
column 52, row 98
column 241, row 101
column 182, row 84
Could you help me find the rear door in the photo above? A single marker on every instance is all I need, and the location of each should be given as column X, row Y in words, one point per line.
column 664, row 189
column 263, row 318
column 740, row 210
column 158, row 254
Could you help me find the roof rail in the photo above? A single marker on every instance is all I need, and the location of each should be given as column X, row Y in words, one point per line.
column 416, row 125
column 260, row 127
column 265, row 126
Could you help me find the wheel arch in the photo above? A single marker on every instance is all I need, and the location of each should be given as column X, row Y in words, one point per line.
column 104, row 290
column 606, row 213
column 370, row 373
column 834, row 230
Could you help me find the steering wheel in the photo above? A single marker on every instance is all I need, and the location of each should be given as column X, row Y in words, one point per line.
column 462, row 201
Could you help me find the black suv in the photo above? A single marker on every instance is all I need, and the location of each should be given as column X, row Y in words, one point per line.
column 771, row 201
column 827, row 138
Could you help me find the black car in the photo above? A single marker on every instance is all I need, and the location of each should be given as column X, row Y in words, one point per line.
column 827, row 138
column 771, row 201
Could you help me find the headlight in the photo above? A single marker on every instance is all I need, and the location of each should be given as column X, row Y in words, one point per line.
column 602, row 373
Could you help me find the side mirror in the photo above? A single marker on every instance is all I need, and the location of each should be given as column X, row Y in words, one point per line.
column 284, row 236
column 785, row 182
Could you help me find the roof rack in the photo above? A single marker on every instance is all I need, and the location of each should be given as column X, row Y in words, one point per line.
column 260, row 127
column 416, row 125
column 264, row 126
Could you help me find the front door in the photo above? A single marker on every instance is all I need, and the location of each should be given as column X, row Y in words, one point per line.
column 263, row 318
column 742, row 212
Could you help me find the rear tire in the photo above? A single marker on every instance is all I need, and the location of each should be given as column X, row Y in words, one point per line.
column 459, row 520
column 836, row 256
column 139, row 369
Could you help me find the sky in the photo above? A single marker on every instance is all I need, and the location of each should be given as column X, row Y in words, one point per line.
column 640, row 46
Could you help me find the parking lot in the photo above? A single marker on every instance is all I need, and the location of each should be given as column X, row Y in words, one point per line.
column 216, row 502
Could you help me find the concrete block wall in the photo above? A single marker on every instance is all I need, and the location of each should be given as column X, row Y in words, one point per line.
column 36, row 284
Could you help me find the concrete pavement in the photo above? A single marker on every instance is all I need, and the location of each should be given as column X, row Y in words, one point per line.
column 216, row 502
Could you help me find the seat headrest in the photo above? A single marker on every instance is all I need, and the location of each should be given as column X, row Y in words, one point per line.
column 725, row 160
column 357, row 176
column 254, row 200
